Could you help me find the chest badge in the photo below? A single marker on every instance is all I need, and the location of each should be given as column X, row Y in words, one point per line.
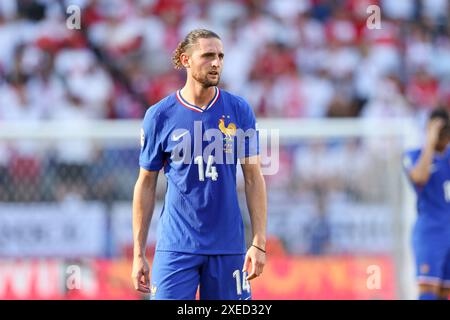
column 229, row 131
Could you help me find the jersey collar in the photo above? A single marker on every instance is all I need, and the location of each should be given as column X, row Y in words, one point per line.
column 194, row 107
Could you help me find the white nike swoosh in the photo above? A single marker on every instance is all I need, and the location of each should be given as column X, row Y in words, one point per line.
column 176, row 138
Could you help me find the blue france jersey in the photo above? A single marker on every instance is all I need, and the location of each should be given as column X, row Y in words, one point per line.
column 433, row 198
column 198, row 149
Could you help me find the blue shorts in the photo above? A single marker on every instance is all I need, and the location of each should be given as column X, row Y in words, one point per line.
column 177, row 276
column 432, row 254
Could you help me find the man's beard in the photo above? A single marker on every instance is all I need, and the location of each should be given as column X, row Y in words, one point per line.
column 205, row 82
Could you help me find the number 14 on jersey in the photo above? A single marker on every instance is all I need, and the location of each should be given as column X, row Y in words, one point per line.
column 211, row 171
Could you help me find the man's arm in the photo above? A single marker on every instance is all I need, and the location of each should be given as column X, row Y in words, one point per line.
column 420, row 173
column 255, row 192
column 143, row 205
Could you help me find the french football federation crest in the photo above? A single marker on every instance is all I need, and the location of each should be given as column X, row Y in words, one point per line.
column 229, row 131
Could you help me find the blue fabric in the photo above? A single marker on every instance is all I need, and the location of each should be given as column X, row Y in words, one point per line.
column 433, row 198
column 432, row 256
column 431, row 234
column 176, row 276
column 428, row 296
column 201, row 217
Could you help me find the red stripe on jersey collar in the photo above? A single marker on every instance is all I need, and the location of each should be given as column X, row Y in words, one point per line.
column 194, row 107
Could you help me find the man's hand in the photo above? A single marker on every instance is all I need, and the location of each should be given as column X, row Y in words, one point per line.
column 254, row 262
column 434, row 128
column 143, row 205
column 140, row 274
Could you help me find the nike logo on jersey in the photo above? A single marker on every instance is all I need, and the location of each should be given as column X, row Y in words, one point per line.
column 178, row 137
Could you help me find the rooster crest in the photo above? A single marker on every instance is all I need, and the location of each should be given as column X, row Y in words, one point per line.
column 229, row 130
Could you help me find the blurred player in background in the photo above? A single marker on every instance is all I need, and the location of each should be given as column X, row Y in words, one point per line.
column 200, row 234
column 429, row 171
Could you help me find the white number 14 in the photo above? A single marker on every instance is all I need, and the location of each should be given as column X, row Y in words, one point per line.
column 211, row 171
column 245, row 285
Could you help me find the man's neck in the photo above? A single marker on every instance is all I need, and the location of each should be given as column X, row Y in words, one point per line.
column 196, row 94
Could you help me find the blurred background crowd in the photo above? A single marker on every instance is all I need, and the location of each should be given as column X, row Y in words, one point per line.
column 302, row 58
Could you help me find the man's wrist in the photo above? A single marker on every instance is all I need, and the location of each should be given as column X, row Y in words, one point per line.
column 259, row 248
column 139, row 253
column 259, row 241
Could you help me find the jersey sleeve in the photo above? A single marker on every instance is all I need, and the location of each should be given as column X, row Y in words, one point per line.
column 409, row 161
column 151, row 157
column 249, row 143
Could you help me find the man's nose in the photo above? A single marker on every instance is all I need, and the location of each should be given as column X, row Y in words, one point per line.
column 216, row 62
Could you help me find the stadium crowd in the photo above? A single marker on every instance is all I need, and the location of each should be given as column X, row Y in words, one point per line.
column 303, row 58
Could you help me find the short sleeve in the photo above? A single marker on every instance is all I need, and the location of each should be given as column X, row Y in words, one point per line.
column 409, row 161
column 151, row 157
column 249, row 143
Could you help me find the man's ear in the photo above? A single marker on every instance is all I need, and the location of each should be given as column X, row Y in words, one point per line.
column 184, row 58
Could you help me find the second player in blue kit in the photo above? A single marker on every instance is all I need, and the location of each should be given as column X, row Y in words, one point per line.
column 429, row 170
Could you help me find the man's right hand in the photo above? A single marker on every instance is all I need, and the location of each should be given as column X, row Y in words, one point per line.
column 140, row 274
column 434, row 128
